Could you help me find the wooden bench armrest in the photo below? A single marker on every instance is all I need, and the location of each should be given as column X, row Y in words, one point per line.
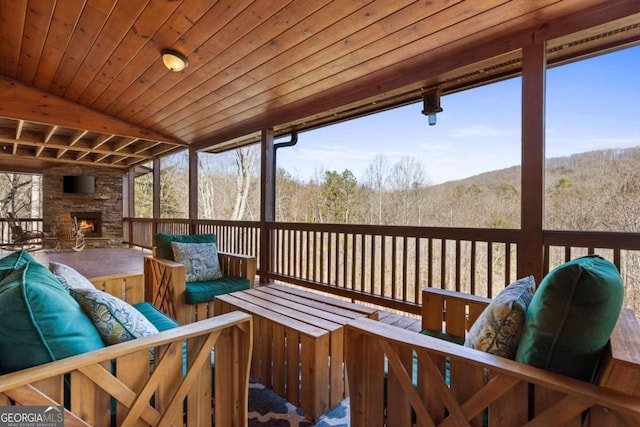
column 238, row 265
column 165, row 286
column 621, row 367
column 91, row 382
column 449, row 311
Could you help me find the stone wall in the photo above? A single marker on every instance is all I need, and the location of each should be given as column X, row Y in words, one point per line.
column 107, row 199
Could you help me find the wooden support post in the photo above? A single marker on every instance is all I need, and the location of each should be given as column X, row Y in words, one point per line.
column 530, row 249
column 267, row 201
column 193, row 189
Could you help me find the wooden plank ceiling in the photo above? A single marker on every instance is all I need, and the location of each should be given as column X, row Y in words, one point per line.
column 82, row 81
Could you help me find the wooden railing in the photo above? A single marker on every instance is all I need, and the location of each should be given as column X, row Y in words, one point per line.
column 389, row 265
column 27, row 224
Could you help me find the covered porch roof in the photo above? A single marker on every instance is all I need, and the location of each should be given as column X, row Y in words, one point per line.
column 82, row 82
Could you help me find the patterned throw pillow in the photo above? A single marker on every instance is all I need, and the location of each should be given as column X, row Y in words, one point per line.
column 115, row 320
column 498, row 329
column 200, row 259
column 69, row 277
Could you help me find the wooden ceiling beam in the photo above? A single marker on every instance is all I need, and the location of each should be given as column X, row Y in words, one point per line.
column 77, row 136
column 62, row 148
column 26, row 103
column 101, row 139
column 19, row 126
column 28, row 157
column 49, row 134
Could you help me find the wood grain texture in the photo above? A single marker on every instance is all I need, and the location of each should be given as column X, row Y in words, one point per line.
column 279, row 65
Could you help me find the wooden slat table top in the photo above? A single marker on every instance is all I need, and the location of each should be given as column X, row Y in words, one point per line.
column 326, row 300
column 340, row 314
column 273, row 316
column 289, row 309
column 333, row 314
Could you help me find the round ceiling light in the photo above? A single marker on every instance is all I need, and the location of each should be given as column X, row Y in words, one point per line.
column 173, row 60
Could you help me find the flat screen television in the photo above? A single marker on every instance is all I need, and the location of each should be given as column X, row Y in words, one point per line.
column 79, row 184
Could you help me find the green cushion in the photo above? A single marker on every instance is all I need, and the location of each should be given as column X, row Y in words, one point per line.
column 442, row 336
column 155, row 316
column 41, row 322
column 571, row 317
column 499, row 327
column 13, row 261
column 199, row 292
column 163, row 242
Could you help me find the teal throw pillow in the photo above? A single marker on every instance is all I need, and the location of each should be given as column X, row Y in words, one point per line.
column 41, row 322
column 499, row 327
column 200, row 260
column 115, row 320
column 571, row 317
column 69, row 277
column 13, row 261
column 163, row 242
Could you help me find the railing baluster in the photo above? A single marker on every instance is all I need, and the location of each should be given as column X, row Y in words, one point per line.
column 366, row 262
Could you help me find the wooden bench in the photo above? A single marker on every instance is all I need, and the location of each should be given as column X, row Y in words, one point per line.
column 298, row 342
column 92, row 382
column 448, row 384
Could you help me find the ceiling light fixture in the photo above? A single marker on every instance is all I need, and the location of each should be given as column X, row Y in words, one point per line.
column 173, row 60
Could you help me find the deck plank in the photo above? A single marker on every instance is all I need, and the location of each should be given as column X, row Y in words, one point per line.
column 94, row 262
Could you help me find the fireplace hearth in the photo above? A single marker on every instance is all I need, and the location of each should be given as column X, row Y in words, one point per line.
column 90, row 222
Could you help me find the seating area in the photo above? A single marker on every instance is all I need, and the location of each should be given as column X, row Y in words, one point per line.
column 576, row 359
column 114, row 360
column 563, row 352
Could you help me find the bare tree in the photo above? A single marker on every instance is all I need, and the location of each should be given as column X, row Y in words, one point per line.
column 16, row 194
column 408, row 180
column 245, row 160
column 376, row 180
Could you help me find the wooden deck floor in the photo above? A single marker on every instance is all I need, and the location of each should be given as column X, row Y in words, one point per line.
column 405, row 322
column 96, row 262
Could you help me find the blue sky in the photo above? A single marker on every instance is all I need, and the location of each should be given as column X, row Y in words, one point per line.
column 591, row 104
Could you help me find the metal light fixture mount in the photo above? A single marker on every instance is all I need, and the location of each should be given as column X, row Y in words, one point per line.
column 431, row 100
column 174, row 61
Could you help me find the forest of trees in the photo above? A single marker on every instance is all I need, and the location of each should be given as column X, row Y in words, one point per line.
column 598, row 190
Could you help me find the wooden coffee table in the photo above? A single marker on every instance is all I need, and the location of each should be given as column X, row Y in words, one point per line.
column 298, row 343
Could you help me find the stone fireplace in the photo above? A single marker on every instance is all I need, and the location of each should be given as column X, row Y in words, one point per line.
column 90, row 222
column 101, row 211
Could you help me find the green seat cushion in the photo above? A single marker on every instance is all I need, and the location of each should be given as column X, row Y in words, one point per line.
column 199, row 292
column 499, row 327
column 442, row 336
column 571, row 317
column 160, row 320
column 41, row 322
column 163, row 242
column 13, row 261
